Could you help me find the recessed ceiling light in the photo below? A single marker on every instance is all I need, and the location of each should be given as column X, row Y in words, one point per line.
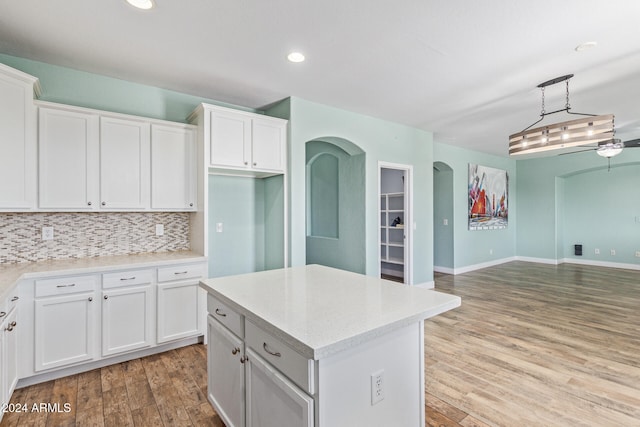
column 586, row 46
column 141, row 4
column 295, row 57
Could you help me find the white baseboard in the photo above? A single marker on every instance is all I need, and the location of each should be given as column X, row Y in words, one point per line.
column 622, row 265
column 468, row 268
column 426, row 285
column 445, row 270
column 538, row 260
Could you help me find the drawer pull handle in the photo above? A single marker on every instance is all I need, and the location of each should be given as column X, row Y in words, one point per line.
column 244, row 359
column 276, row 354
column 3, row 313
column 180, row 272
column 220, row 313
column 66, row 286
column 128, row 278
column 235, row 350
column 14, row 299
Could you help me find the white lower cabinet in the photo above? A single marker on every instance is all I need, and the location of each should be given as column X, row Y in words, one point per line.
column 127, row 319
column 243, row 387
column 225, row 369
column 178, row 314
column 65, row 331
column 272, row 400
column 8, row 355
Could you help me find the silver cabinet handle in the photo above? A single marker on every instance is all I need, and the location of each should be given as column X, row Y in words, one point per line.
column 276, row 354
column 244, row 359
column 220, row 313
column 190, row 204
column 246, row 163
column 180, row 272
column 3, row 313
column 235, row 350
column 90, row 299
column 106, row 297
column 104, row 203
column 88, row 203
column 255, row 164
column 15, row 299
column 128, row 278
column 11, row 326
column 71, row 285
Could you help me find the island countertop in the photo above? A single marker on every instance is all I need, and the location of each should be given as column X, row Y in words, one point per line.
column 320, row 311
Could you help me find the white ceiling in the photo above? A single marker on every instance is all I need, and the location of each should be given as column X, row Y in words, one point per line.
column 465, row 70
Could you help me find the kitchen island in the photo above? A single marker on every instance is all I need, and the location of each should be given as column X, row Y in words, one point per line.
column 317, row 346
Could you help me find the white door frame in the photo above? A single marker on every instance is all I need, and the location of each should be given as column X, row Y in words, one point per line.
column 408, row 218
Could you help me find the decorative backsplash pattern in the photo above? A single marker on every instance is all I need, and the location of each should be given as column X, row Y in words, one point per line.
column 91, row 234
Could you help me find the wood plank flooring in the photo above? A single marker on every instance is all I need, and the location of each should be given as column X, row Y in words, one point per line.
column 538, row 345
column 531, row 345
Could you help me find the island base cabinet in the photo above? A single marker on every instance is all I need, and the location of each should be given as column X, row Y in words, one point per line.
column 65, row 330
column 272, row 400
column 225, row 369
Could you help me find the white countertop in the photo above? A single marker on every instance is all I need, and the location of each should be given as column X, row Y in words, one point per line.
column 319, row 310
column 12, row 273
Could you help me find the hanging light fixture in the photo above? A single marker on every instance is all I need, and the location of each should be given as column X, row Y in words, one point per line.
column 590, row 129
column 610, row 149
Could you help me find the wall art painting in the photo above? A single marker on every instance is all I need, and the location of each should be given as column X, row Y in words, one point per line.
column 488, row 198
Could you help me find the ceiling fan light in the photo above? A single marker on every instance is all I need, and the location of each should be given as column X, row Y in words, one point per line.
column 610, row 149
column 141, row 4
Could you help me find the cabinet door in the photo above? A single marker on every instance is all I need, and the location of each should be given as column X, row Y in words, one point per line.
column 268, row 146
column 68, row 145
column 272, row 400
column 225, row 374
column 230, row 140
column 17, row 144
column 173, row 168
column 178, row 314
column 124, row 164
column 127, row 319
column 65, row 330
column 9, row 356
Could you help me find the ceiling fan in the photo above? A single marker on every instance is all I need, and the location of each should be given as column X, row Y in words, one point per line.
column 611, row 148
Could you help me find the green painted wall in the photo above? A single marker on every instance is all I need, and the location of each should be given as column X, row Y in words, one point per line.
column 274, row 222
column 82, row 89
column 548, row 190
column 347, row 250
column 443, row 254
column 381, row 141
column 475, row 247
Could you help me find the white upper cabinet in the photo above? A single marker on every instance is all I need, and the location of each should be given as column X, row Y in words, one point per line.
column 18, row 154
column 94, row 160
column 124, row 163
column 230, row 140
column 68, row 143
column 173, row 167
column 247, row 143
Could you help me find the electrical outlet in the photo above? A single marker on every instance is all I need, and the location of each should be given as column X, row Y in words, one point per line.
column 159, row 230
column 445, row 221
column 47, row 233
column 377, row 387
column 219, row 227
column 613, row 251
column 597, row 251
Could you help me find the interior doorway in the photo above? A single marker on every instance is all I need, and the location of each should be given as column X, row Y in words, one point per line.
column 395, row 204
column 443, row 215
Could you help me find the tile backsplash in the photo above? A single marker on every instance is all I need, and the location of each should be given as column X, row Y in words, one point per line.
column 91, row 234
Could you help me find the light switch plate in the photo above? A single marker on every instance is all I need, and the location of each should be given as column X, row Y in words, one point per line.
column 159, row 230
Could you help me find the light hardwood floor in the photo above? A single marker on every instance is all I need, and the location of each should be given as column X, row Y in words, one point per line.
column 531, row 345
column 538, row 345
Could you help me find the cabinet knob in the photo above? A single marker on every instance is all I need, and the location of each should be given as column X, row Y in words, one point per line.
column 235, row 351
column 255, row 164
column 244, row 359
column 246, row 163
column 90, row 299
column 104, row 203
column 106, row 297
column 191, row 204
column 11, row 326
column 88, row 203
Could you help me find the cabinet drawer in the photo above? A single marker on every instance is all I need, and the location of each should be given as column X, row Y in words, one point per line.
column 223, row 314
column 65, row 285
column 291, row 363
column 180, row 272
column 126, row 278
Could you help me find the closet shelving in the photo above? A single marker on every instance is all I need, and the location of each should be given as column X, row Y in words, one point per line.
column 392, row 235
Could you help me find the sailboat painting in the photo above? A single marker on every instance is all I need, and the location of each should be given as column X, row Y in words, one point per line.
column 488, row 198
